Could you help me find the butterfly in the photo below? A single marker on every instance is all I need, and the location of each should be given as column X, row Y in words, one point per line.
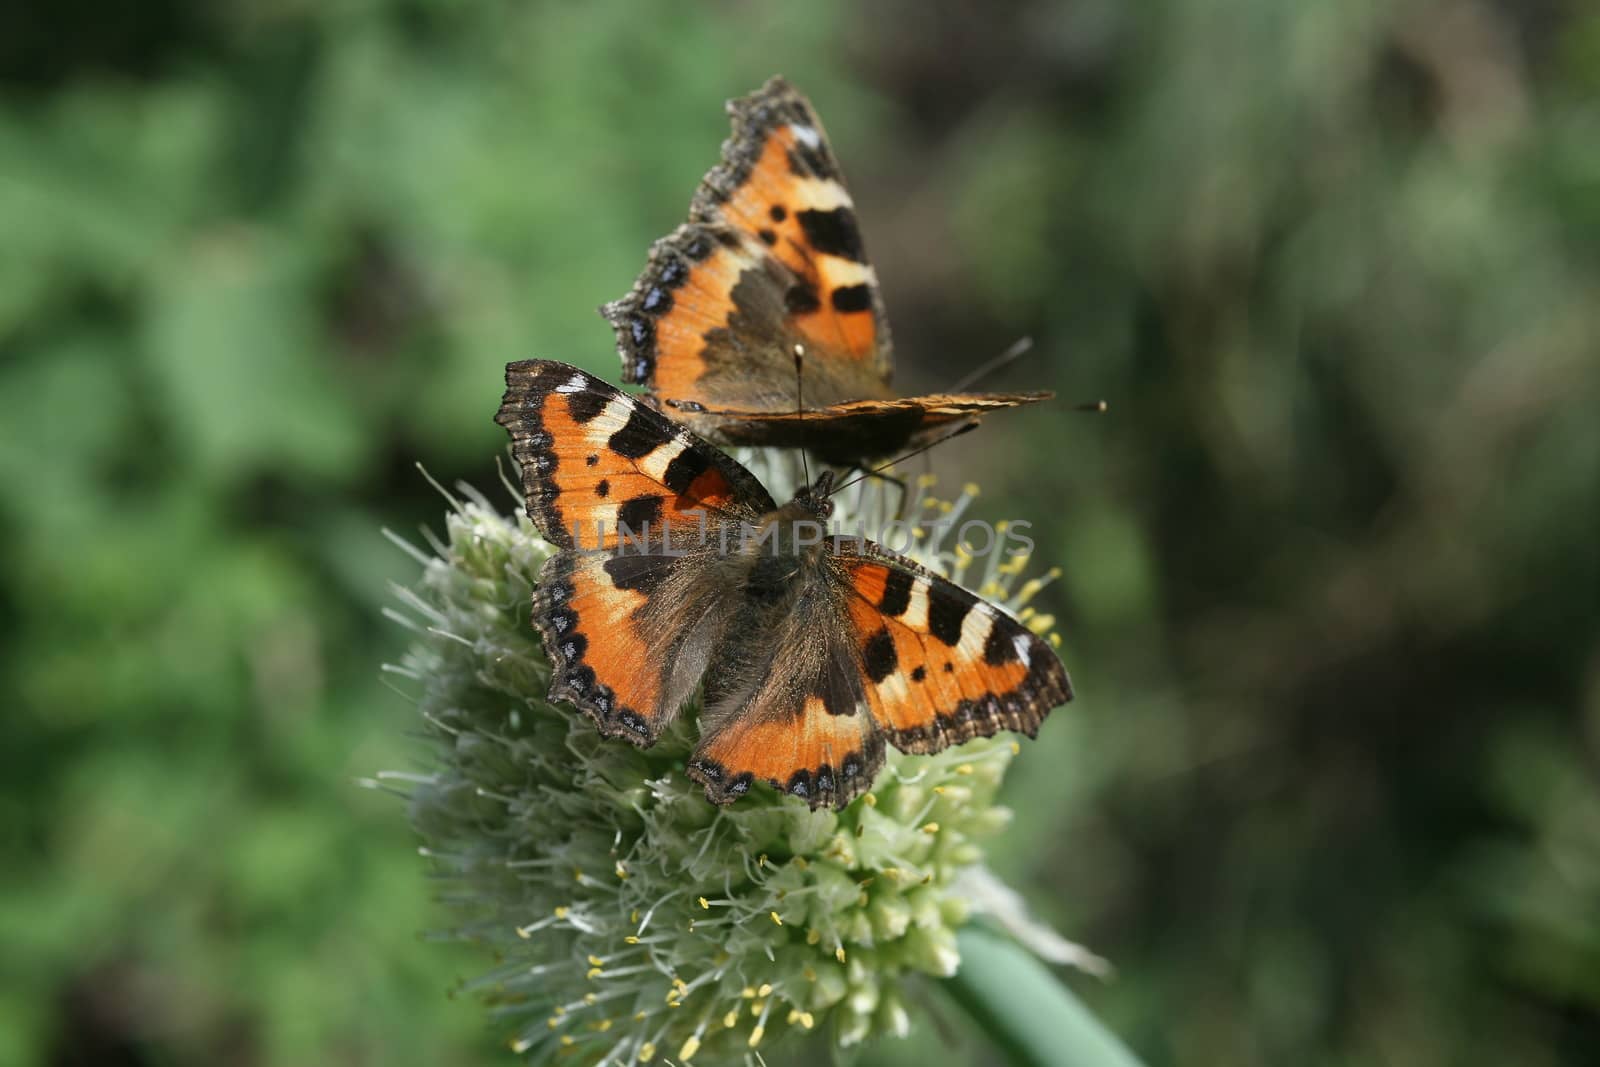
column 771, row 267
column 811, row 652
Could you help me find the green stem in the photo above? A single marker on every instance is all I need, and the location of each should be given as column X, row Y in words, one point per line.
column 1021, row 1007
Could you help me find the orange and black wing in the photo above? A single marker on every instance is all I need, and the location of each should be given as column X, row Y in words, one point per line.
column 595, row 460
column 771, row 258
column 943, row 666
column 789, row 707
column 622, row 633
column 619, row 488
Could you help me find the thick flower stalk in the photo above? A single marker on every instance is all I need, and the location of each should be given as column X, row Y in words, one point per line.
column 631, row 918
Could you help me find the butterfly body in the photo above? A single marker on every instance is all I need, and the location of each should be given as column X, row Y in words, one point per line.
column 772, row 264
column 677, row 573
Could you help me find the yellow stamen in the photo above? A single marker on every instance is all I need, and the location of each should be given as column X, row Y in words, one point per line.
column 776, row 917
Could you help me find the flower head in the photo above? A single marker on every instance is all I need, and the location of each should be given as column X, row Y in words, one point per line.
column 632, row 918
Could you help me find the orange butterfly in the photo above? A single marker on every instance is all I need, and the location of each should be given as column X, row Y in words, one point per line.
column 771, row 264
column 811, row 652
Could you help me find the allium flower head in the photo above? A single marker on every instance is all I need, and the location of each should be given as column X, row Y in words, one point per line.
column 632, row 919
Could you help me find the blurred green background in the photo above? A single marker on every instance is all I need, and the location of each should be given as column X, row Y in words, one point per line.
column 1330, row 791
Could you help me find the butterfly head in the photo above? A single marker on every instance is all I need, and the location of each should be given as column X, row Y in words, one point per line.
column 817, row 498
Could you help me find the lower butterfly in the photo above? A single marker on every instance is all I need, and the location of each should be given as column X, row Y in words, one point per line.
column 677, row 573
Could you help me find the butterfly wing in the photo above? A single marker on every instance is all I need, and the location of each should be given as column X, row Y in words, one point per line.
column 943, row 666
column 628, row 635
column 628, row 625
column 594, row 459
column 771, row 257
column 847, row 432
column 789, row 706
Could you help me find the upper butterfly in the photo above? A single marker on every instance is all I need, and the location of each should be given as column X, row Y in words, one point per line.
column 677, row 572
column 769, row 266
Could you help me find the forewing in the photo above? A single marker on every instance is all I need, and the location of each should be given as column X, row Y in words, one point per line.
column 771, row 257
column 595, row 460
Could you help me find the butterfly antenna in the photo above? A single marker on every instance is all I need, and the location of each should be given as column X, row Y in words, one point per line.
column 1019, row 348
column 967, row 428
column 799, row 404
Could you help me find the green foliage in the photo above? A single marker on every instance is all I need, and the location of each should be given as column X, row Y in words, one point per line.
column 1328, row 794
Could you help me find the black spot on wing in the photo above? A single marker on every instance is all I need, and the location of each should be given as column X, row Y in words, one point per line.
column 945, row 614
column 639, row 436
column 684, row 469
column 603, row 489
column 896, row 593
column 637, row 573
column 833, row 232
column 801, row 299
column 878, row 655
column 849, row 298
column 778, row 212
column 809, row 162
column 1001, row 647
column 634, row 514
column 918, row 673
column 586, row 404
